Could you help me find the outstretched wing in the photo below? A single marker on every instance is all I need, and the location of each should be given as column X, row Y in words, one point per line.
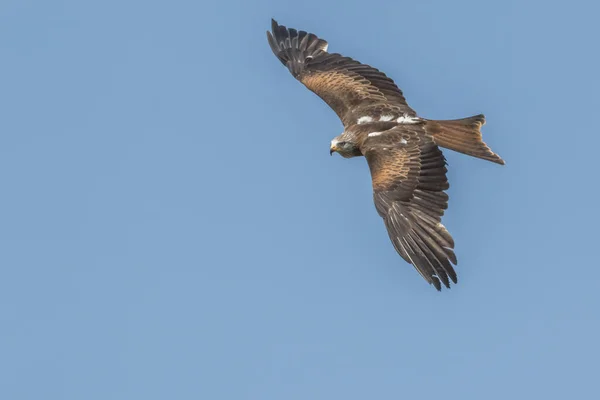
column 353, row 90
column 409, row 178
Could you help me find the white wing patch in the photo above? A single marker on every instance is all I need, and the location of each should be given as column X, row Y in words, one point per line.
column 405, row 119
column 373, row 134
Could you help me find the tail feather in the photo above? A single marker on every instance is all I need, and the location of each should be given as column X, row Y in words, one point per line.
column 462, row 135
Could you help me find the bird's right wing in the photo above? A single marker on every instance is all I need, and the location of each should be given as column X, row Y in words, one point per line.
column 409, row 178
column 353, row 90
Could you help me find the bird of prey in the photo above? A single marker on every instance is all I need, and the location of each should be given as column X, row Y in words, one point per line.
column 408, row 169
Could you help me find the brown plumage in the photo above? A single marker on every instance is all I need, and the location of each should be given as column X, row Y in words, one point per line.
column 407, row 167
column 409, row 179
column 346, row 85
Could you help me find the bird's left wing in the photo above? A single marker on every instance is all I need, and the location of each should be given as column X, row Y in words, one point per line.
column 408, row 172
column 353, row 90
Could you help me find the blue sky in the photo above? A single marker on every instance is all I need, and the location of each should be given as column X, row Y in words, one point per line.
column 172, row 225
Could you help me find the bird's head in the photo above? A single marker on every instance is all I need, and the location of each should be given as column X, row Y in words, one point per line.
column 344, row 147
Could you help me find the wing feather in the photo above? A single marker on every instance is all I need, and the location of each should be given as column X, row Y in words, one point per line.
column 350, row 88
column 409, row 178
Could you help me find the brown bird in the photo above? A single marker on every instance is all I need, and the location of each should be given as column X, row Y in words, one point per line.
column 407, row 167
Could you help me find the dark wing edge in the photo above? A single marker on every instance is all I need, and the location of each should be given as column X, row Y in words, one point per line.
column 293, row 48
column 409, row 179
column 350, row 88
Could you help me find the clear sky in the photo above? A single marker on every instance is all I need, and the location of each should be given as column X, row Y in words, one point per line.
column 173, row 227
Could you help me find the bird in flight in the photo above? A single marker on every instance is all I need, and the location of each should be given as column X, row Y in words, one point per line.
column 408, row 169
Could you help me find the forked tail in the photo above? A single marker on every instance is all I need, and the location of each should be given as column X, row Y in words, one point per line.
column 463, row 135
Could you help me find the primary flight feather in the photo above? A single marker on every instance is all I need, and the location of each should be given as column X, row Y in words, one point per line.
column 407, row 167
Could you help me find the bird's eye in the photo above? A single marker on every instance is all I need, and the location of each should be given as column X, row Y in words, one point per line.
column 341, row 144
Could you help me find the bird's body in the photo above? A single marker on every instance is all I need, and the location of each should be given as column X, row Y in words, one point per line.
column 407, row 167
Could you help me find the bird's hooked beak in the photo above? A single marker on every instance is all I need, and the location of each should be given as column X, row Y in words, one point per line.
column 332, row 149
